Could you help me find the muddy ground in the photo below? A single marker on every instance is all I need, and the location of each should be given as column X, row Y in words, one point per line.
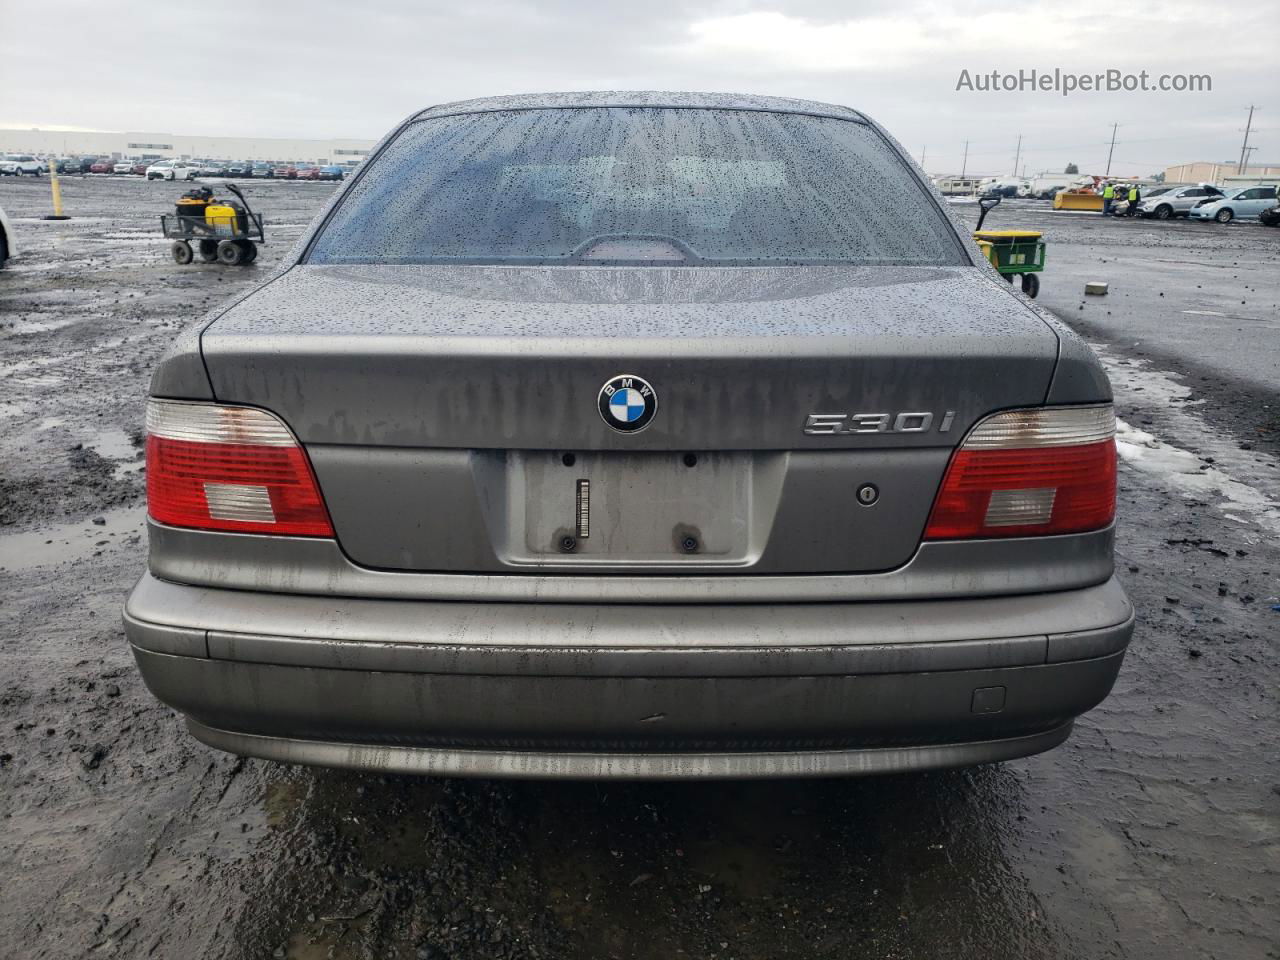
column 1154, row 832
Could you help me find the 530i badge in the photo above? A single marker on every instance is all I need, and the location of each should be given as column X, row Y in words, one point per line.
column 832, row 424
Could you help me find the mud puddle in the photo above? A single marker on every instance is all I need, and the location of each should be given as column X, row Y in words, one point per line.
column 68, row 542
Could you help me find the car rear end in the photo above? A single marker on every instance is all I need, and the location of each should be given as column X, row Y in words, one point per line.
column 683, row 454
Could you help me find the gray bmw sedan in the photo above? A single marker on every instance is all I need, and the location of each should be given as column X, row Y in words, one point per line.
column 631, row 435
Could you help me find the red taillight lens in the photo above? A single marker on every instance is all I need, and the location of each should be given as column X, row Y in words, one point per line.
column 1030, row 473
column 229, row 468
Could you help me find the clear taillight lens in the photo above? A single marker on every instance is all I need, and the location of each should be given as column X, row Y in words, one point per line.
column 229, row 468
column 1030, row 473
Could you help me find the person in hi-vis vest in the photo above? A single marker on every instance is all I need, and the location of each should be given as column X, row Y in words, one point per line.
column 1108, row 197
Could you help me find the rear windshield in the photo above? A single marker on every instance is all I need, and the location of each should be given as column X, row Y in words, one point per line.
column 637, row 185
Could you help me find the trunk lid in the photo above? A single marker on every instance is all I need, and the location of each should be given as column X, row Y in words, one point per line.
column 452, row 413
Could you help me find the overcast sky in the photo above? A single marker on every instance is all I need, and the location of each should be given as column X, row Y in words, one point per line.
column 353, row 68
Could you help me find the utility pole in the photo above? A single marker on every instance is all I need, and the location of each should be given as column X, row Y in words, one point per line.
column 1244, row 147
column 1017, row 156
column 1114, row 127
column 965, row 164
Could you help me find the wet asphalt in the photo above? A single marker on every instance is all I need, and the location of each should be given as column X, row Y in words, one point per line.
column 1153, row 833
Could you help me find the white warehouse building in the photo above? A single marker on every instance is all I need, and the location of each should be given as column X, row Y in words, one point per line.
column 136, row 143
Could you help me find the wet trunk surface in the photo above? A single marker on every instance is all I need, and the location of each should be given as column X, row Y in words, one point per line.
column 1154, row 832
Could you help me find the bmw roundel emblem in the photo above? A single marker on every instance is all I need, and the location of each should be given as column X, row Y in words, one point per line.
column 628, row 403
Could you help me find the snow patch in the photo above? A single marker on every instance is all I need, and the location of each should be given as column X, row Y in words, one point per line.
column 1188, row 473
column 1219, row 470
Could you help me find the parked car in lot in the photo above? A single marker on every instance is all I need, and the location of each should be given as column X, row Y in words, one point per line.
column 210, row 168
column 21, row 164
column 261, row 170
column 284, row 171
column 170, row 170
column 307, row 173
column 1151, row 193
column 331, row 172
column 238, row 169
column 1246, row 203
column 1177, row 201
column 8, row 245
column 102, row 165
column 122, row 166
column 537, row 461
column 67, row 164
column 1271, row 216
column 140, row 168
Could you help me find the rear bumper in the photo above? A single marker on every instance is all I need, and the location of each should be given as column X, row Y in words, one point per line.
column 581, row 690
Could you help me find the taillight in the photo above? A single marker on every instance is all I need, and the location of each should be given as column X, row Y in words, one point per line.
column 229, row 468
column 1030, row 473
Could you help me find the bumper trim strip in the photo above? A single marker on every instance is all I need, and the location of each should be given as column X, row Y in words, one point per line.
column 778, row 661
column 398, row 759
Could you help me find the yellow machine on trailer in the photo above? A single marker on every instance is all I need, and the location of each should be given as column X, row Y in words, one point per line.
column 1012, row 252
column 222, row 232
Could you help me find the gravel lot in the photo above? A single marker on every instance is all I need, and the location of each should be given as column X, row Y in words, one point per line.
column 1154, row 832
